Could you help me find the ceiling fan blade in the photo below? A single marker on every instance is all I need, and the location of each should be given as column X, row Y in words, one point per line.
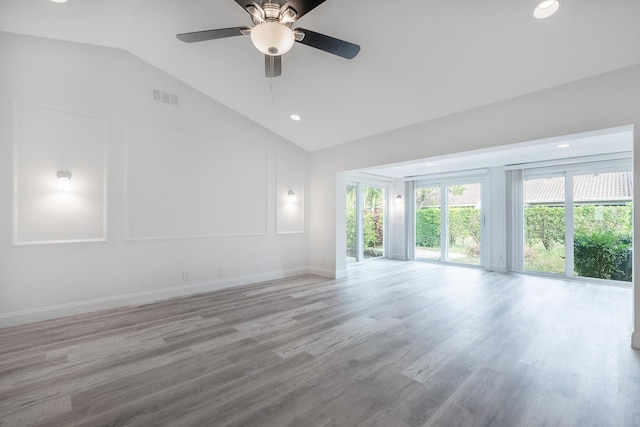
column 329, row 44
column 272, row 66
column 302, row 7
column 200, row 36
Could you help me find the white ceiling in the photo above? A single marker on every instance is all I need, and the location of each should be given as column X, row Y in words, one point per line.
column 420, row 59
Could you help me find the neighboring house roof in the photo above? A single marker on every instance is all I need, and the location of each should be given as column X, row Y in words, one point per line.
column 470, row 196
column 591, row 188
column 603, row 187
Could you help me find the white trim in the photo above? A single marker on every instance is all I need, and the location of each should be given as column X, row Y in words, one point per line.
column 369, row 178
column 69, row 309
column 359, row 223
column 498, row 268
column 444, row 222
column 569, row 222
column 515, row 220
column 580, row 169
column 635, row 340
column 325, row 272
column 485, row 221
column 14, row 173
column 623, row 158
column 279, row 191
column 126, row 212
column 410, row 219
column 203, row 236
column 471, row 175
column 57, row 242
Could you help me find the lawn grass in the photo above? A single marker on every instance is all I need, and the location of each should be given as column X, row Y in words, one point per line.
column 537, row 258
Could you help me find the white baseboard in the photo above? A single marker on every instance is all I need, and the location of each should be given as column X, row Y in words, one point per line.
column 498, row 268
column 324, row 272
column 70, row 309
column 635, row 340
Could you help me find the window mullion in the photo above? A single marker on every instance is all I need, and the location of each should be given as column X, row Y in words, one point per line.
column 444, row 223
column 360, row 222
column 568, row 224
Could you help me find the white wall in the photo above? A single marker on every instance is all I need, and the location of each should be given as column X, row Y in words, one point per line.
column 89, row 109
column 608, row 100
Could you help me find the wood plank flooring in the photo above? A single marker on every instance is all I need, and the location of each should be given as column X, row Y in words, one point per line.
column 395, row 344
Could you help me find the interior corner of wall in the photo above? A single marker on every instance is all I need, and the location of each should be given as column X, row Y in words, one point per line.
column 635, row 340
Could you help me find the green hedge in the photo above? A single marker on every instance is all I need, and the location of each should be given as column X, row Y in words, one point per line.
column 546, row 223
column 602, row 237
column 351, row 232
column 603, row 255
column 428, row 227
column 373, row 232
column 464, row 222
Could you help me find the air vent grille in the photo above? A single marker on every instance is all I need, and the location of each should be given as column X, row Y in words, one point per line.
column 165, row 97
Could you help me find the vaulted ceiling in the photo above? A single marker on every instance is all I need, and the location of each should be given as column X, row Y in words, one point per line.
column 420, row 59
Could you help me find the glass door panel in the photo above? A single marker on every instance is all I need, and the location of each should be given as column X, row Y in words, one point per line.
column 373, row 221
column 352, row 226
column 544, row 225
column 428, row 223
column 603, row 228
column 464, row 223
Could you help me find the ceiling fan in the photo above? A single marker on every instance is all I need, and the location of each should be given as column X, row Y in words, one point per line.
column 272, row 33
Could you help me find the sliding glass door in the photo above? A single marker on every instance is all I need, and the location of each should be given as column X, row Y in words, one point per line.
column 366, row 207
column 351, row 219
column 578, row 222
column 464, row 223
column 602, row 225
column 544, row 224
column 449, row 222
column 428, row 223
column 373, row 221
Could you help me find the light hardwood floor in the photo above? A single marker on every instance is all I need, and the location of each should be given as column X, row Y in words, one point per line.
column 395, row 344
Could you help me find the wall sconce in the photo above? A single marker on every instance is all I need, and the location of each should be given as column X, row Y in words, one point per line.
column 399, row 198
column 64, row 181
column 291, row 197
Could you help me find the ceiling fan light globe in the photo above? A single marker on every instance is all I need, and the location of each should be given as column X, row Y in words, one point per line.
column 272, row 38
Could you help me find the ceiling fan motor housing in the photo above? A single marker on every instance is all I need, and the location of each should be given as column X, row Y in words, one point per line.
column 271, row 11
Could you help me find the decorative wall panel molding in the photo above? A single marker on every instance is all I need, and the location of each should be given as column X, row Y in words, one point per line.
column 46, row 140
column 183, row 185
column 291, row 177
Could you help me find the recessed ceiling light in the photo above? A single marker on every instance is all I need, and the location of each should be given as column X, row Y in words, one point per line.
column 564, row 145
column 429, row 164
column 295, row 117
column 59, row 1
column 546, row 8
